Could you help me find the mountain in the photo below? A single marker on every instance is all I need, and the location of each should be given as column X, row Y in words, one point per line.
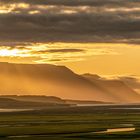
column 35, row 98
column 53, row 80
column 9, row 103
column 39, row 102
column 115, row 87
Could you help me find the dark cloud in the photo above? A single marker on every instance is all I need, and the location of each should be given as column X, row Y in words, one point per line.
column 57, row 60
column 71, row 24
column 60, row 51
column 76, row 2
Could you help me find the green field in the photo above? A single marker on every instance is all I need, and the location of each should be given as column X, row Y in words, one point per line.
column 74, row 124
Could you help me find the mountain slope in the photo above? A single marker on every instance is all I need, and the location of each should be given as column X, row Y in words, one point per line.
column 36, row 101
column 9, row 103
column 52, row 80
column 36, row 98
column 115, row 87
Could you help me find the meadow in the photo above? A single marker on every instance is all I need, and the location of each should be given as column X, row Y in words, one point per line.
column 75, row 123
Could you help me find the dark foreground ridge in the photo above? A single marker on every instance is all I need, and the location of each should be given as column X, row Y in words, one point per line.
column 39, row 102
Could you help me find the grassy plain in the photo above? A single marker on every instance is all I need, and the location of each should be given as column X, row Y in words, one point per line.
column 77, row 123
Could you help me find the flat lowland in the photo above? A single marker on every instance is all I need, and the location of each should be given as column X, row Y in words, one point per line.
column 118, row 122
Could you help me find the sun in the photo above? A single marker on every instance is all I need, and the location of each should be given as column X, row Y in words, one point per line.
column 9, row 53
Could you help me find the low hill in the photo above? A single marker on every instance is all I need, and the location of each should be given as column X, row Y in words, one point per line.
column 36, row 98
column 9, row 103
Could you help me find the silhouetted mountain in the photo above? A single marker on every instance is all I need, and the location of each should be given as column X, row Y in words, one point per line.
column 115, row 87
column 36, row 98
column 9, row 103
column 35, row 101
column 52, row 80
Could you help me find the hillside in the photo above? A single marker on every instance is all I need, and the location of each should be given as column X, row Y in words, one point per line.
column 115, row 87
column 9, row 103
column 59, row 81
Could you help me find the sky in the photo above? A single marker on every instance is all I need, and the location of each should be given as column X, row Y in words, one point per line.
column 88, row 36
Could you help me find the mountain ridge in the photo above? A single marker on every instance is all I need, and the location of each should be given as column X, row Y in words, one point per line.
column 59, row 81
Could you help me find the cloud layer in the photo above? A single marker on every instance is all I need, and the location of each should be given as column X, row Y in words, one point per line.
column 70, row 21
column 32, row 29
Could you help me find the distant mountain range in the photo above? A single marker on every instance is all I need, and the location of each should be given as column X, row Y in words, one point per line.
column 59, row 81
column 39, row 102
column 19, row 103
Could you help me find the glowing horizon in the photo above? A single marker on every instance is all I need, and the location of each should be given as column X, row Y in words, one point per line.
column 74, row 55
